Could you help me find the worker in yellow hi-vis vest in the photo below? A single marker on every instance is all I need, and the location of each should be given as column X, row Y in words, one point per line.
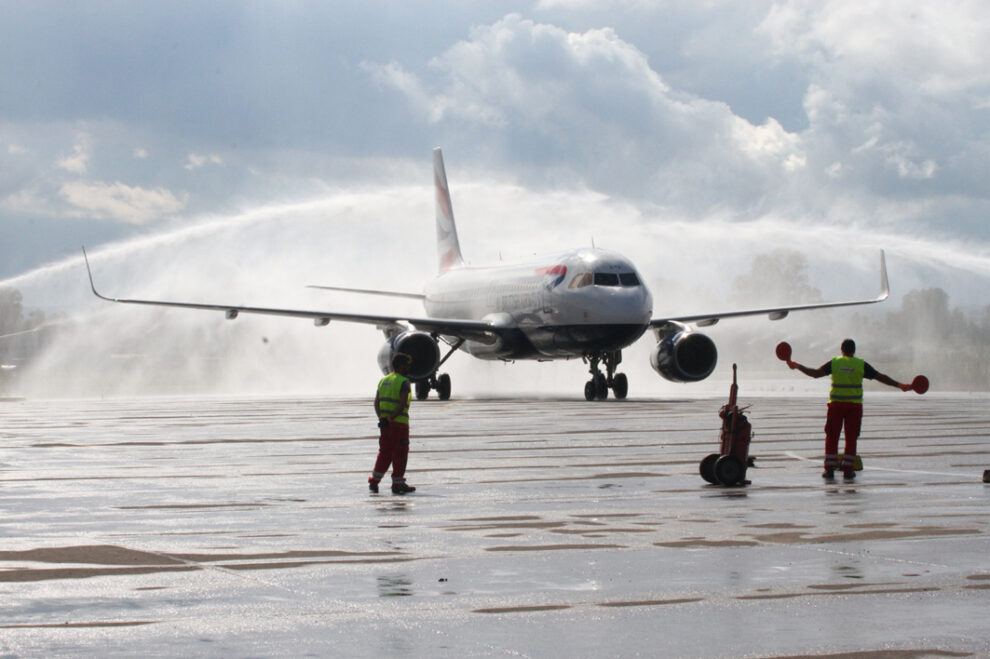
column 845, row 404
column 392, row 409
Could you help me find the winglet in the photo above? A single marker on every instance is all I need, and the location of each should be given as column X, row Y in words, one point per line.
column 884, row 284
column 90, row 273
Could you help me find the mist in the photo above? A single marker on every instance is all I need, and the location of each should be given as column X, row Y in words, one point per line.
column 384, row 239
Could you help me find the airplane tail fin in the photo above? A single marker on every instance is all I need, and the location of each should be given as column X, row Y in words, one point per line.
column 448, row 247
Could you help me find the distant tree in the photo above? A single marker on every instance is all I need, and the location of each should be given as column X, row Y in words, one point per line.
column 11, row 310
column 12, row 322
column 927, row 335
column 779, row 276
column 927, row 311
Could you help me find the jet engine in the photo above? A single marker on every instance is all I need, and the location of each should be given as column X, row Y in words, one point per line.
column 684, row 356
column 420, row 346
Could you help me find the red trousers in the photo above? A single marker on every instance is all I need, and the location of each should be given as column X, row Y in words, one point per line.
column 393, row 450
column 849, row 416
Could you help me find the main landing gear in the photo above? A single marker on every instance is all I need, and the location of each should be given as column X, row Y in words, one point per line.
column 597, row 387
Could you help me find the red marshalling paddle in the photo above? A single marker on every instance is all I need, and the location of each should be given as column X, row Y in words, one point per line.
column 783, row 351
column 920, row 384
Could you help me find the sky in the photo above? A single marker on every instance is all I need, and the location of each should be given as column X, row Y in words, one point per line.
column 689, row 134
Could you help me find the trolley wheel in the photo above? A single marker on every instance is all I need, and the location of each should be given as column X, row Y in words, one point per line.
column 729, row 470
column 707, row 468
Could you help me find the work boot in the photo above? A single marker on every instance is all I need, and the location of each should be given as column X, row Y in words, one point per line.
column 402, row 488
column 373, row 486
column 849, row 475
column 828, row 474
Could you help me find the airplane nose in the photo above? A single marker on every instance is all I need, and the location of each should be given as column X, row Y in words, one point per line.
column 623, row 306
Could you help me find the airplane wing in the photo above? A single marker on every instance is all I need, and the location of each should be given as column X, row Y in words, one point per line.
column 465, row 329
column 369, row 291
column 775, row 313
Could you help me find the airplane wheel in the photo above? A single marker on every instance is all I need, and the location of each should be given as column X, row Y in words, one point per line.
column 589, row 390
column 707, row 468
column 729, row 470
column 443, row 387
column 601, row 387
column 620, row 385
column 422, row 390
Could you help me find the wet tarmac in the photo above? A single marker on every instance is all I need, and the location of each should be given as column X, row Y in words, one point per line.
column 244, row 527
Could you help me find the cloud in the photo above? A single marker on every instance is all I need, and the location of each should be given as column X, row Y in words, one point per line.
column 822, row 112
column 120, row 202
column 940, row 47
column 587, row 107
column 195, row 161
column 769, row 141
column 78, row 160
column 894, row 89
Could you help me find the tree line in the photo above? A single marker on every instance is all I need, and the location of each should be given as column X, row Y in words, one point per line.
column 19, row 340
column 927, row 334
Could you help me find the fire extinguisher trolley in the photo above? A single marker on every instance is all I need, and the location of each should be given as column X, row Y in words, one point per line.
column 728, row 466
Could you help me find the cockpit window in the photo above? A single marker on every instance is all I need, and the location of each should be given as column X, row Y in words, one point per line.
column 581, row 280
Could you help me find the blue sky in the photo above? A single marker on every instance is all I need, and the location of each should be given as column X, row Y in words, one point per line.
column 120, row 120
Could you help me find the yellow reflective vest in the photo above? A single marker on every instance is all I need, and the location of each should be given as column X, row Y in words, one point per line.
column 389, row 391
column 847, row 380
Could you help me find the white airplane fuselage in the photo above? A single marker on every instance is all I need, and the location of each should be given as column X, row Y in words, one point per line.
column 558, row 306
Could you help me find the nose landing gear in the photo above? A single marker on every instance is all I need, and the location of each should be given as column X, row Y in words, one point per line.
column 440, row 383
column 597, row 387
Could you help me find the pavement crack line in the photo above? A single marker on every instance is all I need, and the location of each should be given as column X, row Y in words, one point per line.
column 792, row 454
column 889, row 559
column 240, row 574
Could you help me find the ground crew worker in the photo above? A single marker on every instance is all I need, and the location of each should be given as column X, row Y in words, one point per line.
column 845, row 404
column 392, row 409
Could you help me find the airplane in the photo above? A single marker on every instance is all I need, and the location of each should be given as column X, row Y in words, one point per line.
column 586, row 303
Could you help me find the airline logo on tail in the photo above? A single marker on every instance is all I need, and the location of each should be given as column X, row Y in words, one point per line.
column 448, row 247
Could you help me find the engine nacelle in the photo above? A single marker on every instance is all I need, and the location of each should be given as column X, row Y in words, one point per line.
column 420, row 346
column 684, row 357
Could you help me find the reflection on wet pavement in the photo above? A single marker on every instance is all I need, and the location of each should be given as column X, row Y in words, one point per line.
column 394, row 586
column 539, row 528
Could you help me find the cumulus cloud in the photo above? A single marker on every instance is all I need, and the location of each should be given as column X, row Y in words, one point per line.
column 826, row 112
column 120, row 202
column 894, row 89
column 941, row 47
column 195, row 161
column 588, row 107
column 769, row 141
column 77, row 161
